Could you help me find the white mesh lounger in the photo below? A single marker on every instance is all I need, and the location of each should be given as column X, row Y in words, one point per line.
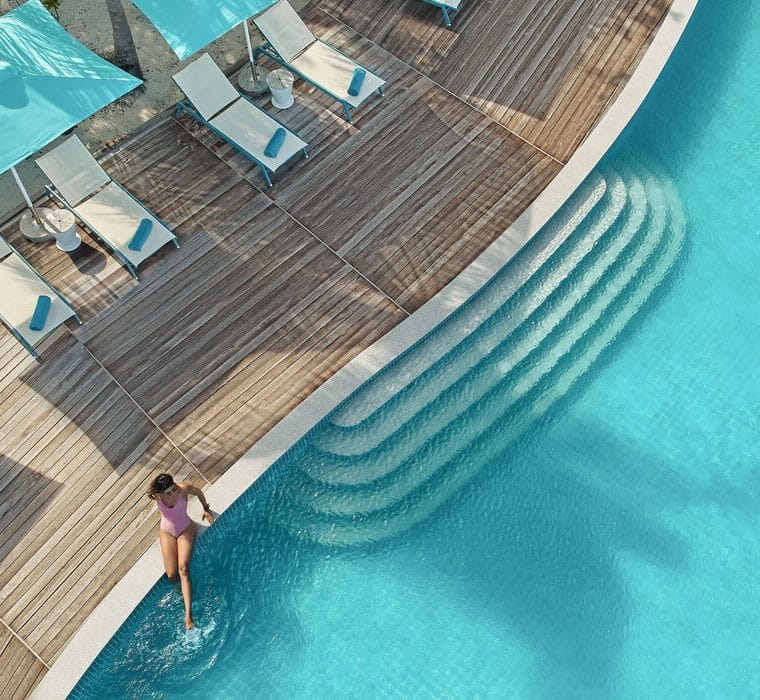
column 104, row 206
column 246, row 127
column 21, row 287
column 446, row 7
column 291, row 44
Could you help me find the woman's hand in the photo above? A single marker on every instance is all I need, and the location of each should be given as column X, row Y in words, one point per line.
column 208, row 516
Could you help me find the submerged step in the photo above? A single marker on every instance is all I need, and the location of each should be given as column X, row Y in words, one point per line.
column 500, row 382
column 489, row 331
column 491, row 358
column 367, row 515
column 377, row 391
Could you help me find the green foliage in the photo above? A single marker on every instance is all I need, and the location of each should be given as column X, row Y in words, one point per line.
column 52, row 6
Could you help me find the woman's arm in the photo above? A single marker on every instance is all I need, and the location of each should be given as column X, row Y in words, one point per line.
column 190, row 489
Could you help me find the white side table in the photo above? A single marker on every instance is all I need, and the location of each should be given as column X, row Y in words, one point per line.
column 280, row 83
column 63, row 226
column 58, row 223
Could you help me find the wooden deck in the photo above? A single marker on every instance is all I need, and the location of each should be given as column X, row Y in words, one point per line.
column 274, row 289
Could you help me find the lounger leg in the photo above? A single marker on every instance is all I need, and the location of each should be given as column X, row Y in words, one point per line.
column 33, row 352
column 381, row 90
column 24, row 342
column 347, row 112
column 264, row 172
column 446, row 19
column 305, row 152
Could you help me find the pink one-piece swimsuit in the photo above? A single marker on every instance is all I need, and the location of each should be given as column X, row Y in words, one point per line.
column 174, row 520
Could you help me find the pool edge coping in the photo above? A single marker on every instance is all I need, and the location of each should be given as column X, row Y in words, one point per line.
column 108, row 616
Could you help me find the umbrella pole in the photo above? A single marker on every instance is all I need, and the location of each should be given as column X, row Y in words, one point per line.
column 250, row 51
column 27, row 199
column 255, row 82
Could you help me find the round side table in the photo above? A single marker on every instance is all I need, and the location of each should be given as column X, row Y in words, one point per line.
column 280, row 83
column 64, row 227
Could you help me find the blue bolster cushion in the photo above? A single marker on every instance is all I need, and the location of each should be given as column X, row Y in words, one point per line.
column 141, row 235
column 275, row 143
column 356, row 81
column 40, row 314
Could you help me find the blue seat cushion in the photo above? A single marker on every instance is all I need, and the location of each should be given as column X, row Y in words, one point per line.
column 356, row 81
column 141, row 235
column 41, row 311
column 275, row 143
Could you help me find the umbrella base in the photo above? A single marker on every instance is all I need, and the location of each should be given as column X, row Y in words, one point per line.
column 31, row 230
column 253, row 85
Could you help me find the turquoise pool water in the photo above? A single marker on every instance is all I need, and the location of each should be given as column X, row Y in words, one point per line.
column 566, row 503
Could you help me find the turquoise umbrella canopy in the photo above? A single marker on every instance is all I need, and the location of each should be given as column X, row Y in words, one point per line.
column 189, row 25
column 49, row 82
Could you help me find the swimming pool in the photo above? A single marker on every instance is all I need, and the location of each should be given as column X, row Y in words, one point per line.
column 565, row 503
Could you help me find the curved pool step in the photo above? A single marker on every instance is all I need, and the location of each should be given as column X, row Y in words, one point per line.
column 500, row 381
column 594, row 195
column 507, row 348
column 488, row 330
column 365, row 517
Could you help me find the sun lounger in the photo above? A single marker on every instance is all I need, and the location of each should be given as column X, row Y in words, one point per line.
column 101, row 204
column 213, row 101
column 29, row 306
column 291, row 44
column 446, row 7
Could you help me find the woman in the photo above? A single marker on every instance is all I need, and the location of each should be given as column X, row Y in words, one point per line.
column 177, row 532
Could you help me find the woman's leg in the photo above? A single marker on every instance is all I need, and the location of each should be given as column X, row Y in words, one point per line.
column 169, row 553
column 185, row 544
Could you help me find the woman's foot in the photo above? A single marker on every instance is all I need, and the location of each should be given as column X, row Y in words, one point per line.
column 189, row 624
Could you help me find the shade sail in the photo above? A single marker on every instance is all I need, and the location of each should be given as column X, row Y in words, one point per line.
column 189, row 25
column 49, row 82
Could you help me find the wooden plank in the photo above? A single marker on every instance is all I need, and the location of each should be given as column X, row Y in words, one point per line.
column 231, row 319
column 71, row 502
column 20, row 670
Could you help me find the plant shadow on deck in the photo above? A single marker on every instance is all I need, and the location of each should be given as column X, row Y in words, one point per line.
column 533, row 67
column 25, row 495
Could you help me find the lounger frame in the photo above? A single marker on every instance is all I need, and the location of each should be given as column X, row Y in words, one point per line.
column 445, row 9
column 110, row 212
column 6, row 322
column 268, row 50
column 187, row 106
column 53, row 191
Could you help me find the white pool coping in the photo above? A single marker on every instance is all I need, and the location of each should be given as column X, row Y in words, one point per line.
column 114, row 609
